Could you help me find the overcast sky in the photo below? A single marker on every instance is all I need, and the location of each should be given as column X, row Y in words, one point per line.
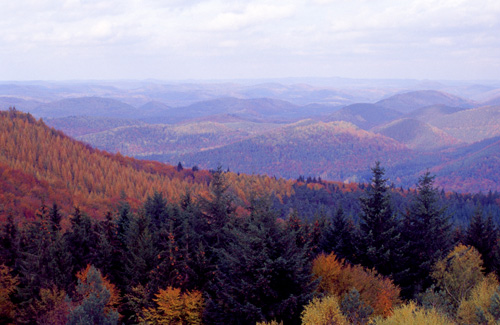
column 189, row 39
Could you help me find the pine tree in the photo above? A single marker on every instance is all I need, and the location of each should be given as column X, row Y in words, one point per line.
column 379, row 243
column 428, row 237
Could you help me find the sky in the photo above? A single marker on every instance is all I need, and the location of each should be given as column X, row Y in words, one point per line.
column 254, row 39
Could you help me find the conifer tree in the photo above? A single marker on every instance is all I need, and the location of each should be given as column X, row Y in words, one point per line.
column 262, row 274
column 218, row 208
column 340, row 236
column 483, row 235
column 141, row 252
column 428, row 237
column 379, row 242
column 9, row 242
column 81, row 240
column 155, row 208
column 95, row 298
column 55, row 218
column 108, row 254
column 123, row 221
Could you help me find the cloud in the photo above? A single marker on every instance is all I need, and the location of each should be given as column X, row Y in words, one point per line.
column 250, row 15
column 278, row 36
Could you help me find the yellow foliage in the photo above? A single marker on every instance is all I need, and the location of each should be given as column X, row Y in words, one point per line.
column 479, row 298
column 8, row 284
column 174, row 307
column 324, row 311
column 459, row 272
column 410, row 314
column 52, row 307
column 338, row 278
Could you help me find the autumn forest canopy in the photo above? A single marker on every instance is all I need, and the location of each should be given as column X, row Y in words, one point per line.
column 89, row 236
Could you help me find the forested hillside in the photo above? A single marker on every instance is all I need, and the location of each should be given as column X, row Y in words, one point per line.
column 43, row 165
column 88, row 236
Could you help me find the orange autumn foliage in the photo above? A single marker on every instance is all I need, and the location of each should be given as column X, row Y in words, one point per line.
column 41, row 165
column 174, row 307
column 8, row 284
column 337, row 277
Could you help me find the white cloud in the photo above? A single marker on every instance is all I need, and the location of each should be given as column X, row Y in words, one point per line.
column 277, row 36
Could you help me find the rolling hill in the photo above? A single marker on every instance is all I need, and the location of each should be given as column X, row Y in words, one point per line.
column 410, row 101
column 76, row 126
column 417, row 135
column 471, row 169
column 492, row 101
column 335, row 150
column 171, row 140
column 471, row 125
column 429, row 113
column 19, row 103
column 86, row 106
column 364, row 116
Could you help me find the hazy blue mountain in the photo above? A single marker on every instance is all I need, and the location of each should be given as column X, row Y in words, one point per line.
column 410, row 101
column 417, row 135
column 364, row 116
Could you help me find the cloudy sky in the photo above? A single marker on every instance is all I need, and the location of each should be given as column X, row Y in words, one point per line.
column 213, row 39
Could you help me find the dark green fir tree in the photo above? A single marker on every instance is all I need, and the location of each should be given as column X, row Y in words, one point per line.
column 427, row 234
column 379, row 241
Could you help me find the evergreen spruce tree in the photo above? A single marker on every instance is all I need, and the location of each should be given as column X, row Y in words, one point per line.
column 81, row 239
column 108, row 254
column 141, row 253
column 44, row 262
column 218, row 208
column 340, row 236
column 379, row 242
column 428, row 237
column 483, row 235
column 9, row 243
column 193, row 245
column 92, row 308
column 123, row 221
column 55, row 218
column 155, row 208
column 262, row 274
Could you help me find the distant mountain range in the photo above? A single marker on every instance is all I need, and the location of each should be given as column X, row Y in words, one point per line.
column 410, row 101
column 409, row 132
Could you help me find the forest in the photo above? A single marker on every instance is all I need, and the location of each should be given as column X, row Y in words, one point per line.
column 106, row 239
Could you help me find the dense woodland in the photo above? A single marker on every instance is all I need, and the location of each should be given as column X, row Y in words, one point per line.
column 183, row 246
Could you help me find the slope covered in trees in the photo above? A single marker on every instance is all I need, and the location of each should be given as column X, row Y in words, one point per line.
column 307, row 147
column 40, row 164
column 204, row 262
